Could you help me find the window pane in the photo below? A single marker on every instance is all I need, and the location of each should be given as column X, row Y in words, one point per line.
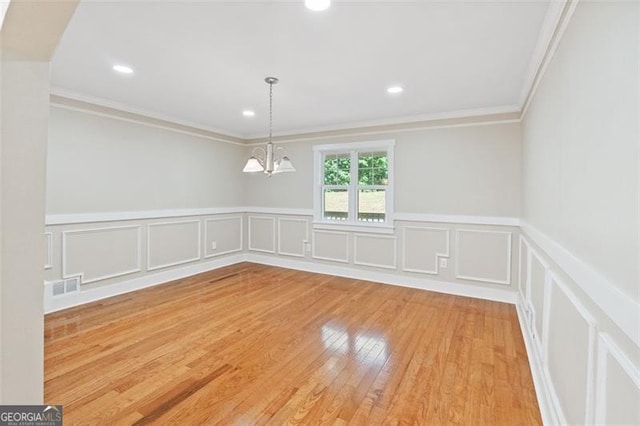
column 337, row 169
column 373, row 168
column 371, row 205
column 336, row 204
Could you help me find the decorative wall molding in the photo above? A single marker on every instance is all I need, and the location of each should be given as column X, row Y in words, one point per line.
column 546, row 402
column 76, row 218
column 555, row 282
column 69, row 300
column 314, row 247
column 465, row 220
column 67, row 219
column 622, row 309
column 81, row 274
column 393, row 265
column 549, row 278
column 534, row 314
column 607, row 347
column 221, row 219
column 250, row 220
column 48, row 247
column 302, row 246
column 458, row 275
column 279, row 211
column 522, row 285
column 150, row 227
column 438, row 255
column 538, row 347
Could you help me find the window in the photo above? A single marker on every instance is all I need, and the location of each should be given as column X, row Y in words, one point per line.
column 354, row 184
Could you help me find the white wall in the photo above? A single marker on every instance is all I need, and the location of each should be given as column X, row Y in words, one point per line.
column 25, row 89
column 24, row 111
column 99, row 164
column 581, row 143
column 471, row 171
column 104, row 165
column 579, row 281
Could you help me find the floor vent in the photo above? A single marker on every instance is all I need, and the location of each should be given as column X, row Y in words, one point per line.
column 58, row 288
column 70, row 285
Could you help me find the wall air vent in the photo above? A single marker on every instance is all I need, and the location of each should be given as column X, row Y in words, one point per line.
column 58, row 288
column 69, row 285
column 72, row 284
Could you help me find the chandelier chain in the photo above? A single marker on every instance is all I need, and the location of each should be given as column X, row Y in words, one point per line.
column 270, row 111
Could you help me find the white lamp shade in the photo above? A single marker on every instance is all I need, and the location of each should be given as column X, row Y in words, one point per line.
column 253, row 165
column 284, row 165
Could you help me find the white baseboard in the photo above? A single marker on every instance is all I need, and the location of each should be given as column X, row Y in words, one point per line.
column 57, row 303
column 548, row 411
column 467, row 290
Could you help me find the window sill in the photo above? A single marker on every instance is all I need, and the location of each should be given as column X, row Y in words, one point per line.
column 350, row 227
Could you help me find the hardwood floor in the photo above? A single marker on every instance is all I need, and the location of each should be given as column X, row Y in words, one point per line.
column 251, row 344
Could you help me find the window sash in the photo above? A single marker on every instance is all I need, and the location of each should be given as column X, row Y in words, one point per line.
column 323, row 202
column 354, row 187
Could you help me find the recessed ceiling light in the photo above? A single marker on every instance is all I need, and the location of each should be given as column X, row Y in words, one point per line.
column 248, row 113
column 395, row 89
column 123, row 69
column 317, row 5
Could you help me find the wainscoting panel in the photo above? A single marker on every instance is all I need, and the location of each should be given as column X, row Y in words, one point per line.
column 423, row 247
column 483, row 256
column 331, row 245
column 222, row 235
column 536, row 283
column 523, row 270
column 292, row 236
column 618, row 386
column 262, row 234
column 374, row 250
column 48, row 250
column 173, row 243
column 101, row 253
column 571, row 326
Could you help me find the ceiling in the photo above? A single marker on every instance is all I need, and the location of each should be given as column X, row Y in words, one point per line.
column 203, row 63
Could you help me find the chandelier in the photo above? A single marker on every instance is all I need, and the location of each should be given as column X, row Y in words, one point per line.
column 270, row 159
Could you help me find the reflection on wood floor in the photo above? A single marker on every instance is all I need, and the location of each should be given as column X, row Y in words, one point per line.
column 252, row 344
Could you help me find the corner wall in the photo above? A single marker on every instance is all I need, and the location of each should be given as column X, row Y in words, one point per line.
column 120, row 217
column 24, row 111
column 579, row 284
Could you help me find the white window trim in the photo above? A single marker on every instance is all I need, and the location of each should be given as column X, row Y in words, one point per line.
column 352, row 224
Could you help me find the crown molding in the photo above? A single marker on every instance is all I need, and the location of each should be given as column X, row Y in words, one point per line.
column 541, row 50
column 555, row 23
column 557, row 19
column 97, row 106
column 404, row 122
column 486, row 120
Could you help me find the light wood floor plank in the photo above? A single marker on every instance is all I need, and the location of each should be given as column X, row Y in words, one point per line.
column 252, row 344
